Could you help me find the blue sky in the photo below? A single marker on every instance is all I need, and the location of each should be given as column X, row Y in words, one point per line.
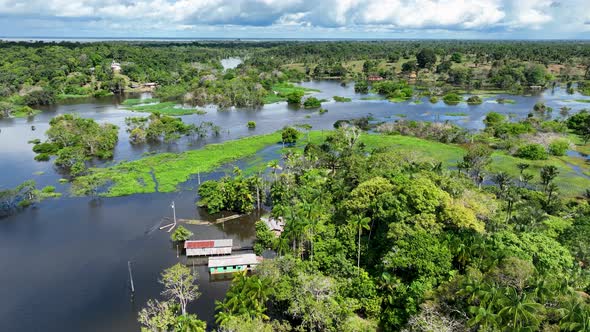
column 456, row 19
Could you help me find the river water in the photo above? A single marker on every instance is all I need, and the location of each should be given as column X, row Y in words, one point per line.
column 64, row 261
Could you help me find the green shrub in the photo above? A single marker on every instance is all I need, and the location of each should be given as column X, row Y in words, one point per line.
column 290, row 135
column 341, row 99
column 295, row 97
column 433, row 99
column 474, row 100
column 452, row 99
column 251, row 124
column 532, row 152
column 48, row 148
column 312, row 102
column 493, row 119
column 559, row 147
column 48, row 189
column 43, row 157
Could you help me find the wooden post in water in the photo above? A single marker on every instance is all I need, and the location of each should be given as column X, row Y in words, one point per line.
column 131, row 277
column 199, row 177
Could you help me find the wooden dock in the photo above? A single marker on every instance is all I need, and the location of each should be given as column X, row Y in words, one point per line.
column 208, row 223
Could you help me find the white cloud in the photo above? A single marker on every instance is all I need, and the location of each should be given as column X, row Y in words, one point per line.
column 339, row 15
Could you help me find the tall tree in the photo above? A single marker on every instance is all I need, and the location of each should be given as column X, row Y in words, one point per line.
column 179, row 285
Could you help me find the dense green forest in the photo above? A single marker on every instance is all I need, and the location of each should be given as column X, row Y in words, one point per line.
column 43, row 73
column 397, row 226
column 376, row 238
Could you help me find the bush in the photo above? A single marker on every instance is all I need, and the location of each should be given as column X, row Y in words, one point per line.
column 494, row 118
column 312, row 102
column 361, row 87
column 532, row 152
column 39, row 97
column 48, row 148
column 474, row 100
column 48, row 189
column 452, row 99
column 43, row 157
column 559, row 147
column 290, row 135
column 251, row 124
column 341, row 99
column 295, row 97
column 433, row 99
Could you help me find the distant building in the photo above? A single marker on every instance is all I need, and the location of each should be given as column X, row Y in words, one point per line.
column 150, row 85
column 373, row 78
column 208, row 247
column 115, row 66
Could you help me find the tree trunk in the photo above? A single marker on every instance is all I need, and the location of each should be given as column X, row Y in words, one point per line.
column 358, row 260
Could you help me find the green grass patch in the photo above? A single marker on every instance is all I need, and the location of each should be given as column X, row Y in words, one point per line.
column 166, row 108
column 286, row 88
column 569, row 181
column 505, row 101
column 397, row 99
column 137, row 101
column 456, row 114
column 582, row 100
column 447, row 153
column 24, row 113
column 65, row 96
column 170, row 169
column 342, row 99
column 373, row 98
column 271, row 98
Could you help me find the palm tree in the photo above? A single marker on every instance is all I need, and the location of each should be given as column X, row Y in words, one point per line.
column 282, row 245
column 274, row 164
column 189, row 323
column 503, row 180
column 548, row 173
column 512, row 197
column 485, row 318
column 576, row 316
column 520, row 311
column 522, row 167
column 526, row 178
column 361, row 223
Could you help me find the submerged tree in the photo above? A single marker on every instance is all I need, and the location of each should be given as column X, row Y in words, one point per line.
column 179, row 285
column 181, row 234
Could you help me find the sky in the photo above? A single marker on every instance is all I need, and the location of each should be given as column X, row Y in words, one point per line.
column 368, row 19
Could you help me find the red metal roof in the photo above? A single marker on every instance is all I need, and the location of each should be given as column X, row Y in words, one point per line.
column 199, row 244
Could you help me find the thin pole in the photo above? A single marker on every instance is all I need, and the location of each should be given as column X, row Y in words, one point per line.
column 174, row 215
column 131, row 277
column 199, row 177
column 174, row 212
